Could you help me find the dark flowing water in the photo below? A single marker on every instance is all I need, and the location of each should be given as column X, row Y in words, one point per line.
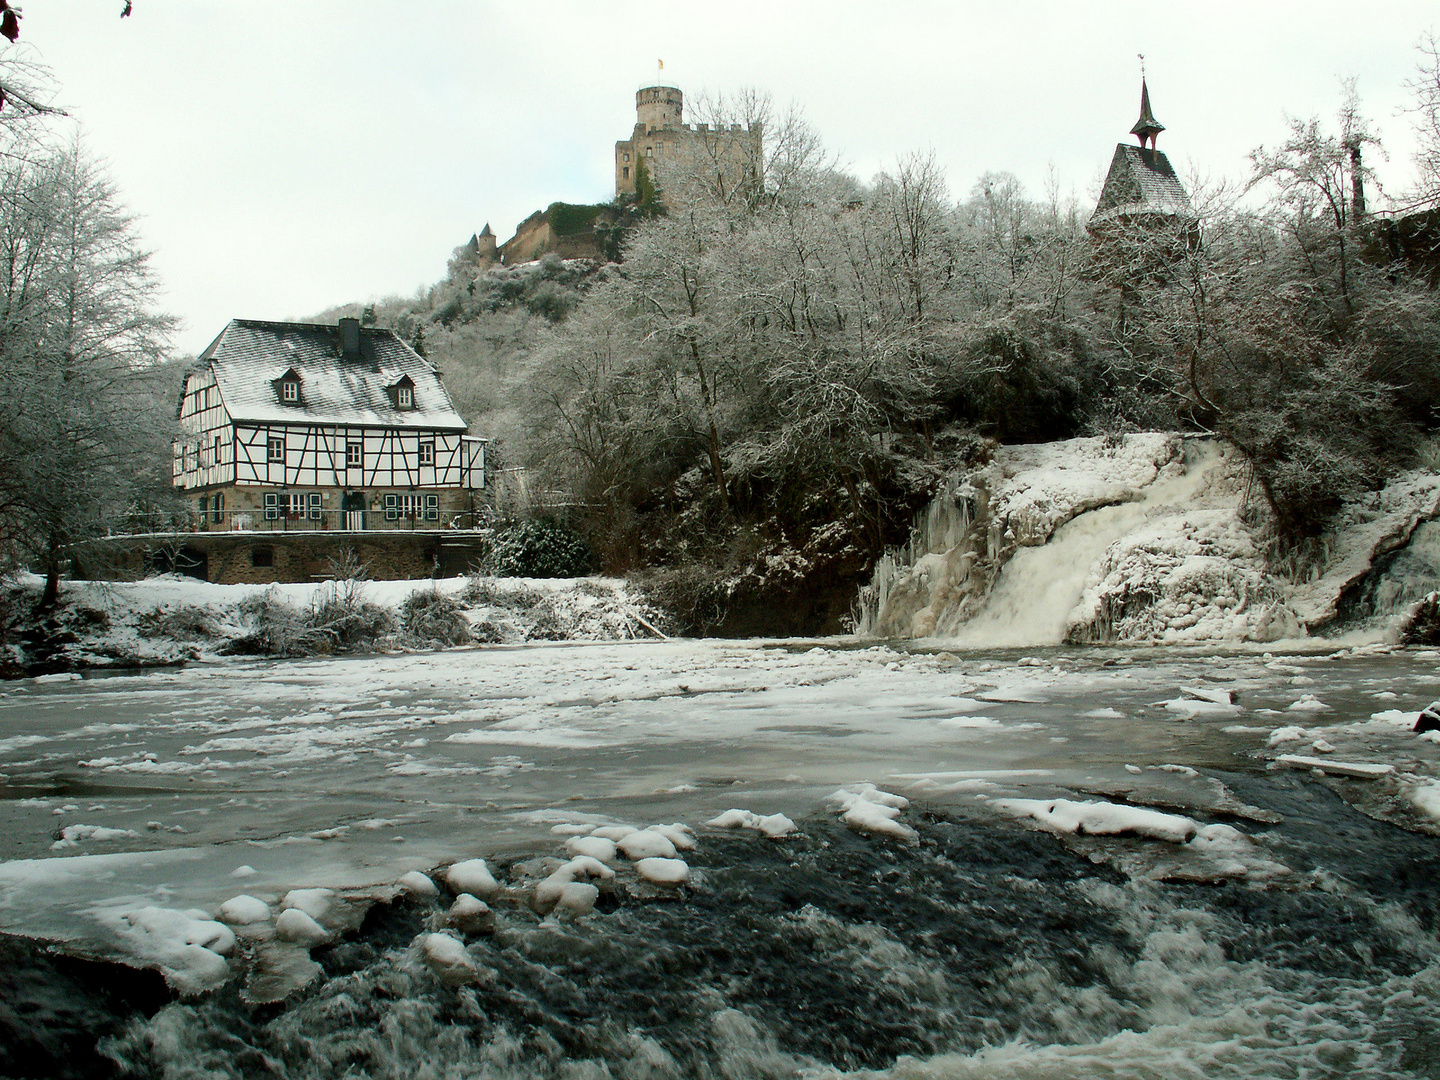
column 980, row 948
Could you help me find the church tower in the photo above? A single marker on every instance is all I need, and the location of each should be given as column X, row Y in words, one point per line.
column 1141, row 186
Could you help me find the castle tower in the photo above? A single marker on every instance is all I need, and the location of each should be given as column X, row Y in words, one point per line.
column 662, row 142
column 485, row 251
column 658, row 107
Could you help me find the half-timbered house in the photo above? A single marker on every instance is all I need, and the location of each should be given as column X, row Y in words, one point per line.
column 294, row 427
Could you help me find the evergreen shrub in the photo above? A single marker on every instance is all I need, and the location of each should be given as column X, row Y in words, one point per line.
column 543, row 549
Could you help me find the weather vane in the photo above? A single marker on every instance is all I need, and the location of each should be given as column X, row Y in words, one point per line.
column 1142, row 64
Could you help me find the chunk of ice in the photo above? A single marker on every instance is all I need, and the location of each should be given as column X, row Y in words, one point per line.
column 1357, row 769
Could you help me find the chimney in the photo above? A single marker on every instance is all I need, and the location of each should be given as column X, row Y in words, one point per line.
column 1357, row 184
column 350, row 338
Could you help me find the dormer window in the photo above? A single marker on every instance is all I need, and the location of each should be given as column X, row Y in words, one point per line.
column 287, row 387
column 402, row 393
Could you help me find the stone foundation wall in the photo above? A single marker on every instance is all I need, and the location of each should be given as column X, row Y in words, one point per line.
column 230, row 558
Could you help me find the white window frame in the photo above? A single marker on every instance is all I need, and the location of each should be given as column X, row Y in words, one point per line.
column 274, row 443
column 405, row 397
column 354, row 455
column 289, row 391
column 427, row 452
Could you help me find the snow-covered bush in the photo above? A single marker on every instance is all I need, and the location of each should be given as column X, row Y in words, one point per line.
column 340, row 613
column 541, row 549
column 184, row 623
column 1421, row 625
column 337, row 618
column 430, row 617
column 694, row 599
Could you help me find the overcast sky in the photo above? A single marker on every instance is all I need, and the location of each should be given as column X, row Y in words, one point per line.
column 288, row 155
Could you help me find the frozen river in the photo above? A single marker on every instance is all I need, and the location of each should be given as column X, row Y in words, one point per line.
column 978, row 944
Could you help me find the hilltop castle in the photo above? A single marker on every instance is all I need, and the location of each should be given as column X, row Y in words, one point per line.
column 727, row 157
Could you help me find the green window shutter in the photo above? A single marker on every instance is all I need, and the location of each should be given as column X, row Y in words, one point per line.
column 432, row 507
column 272, row 505
column 392, row 507
column 314, row 506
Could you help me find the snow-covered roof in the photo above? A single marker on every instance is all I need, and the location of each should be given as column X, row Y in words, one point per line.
column 1141, row 181
column 250, row 357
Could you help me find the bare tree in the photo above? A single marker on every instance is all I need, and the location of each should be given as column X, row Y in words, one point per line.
column 78, row 339
column 1319, row 177
column 1425, row 117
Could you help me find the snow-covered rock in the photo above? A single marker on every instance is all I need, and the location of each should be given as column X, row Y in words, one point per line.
column 447, row 957
column 646, row 844
column 470, row 915
column 661, row 871
column 562, row 890
column 474, row 877
column 244, row 910
column 771, row 825
column 1101, row 819
column 188, row 947
column 300, row 927
column 417, row 884
column 315, row 903
column 681, row 835
column 868, row 809
column 597, row 847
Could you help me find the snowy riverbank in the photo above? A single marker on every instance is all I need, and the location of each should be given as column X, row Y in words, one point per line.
column 172, row 619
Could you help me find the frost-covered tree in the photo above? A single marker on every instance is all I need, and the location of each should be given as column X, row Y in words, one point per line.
column 79, row 340
column 1425, row 116
column 1265, row 326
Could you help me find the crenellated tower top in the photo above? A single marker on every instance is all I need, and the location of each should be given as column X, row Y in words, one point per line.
column 659, row 107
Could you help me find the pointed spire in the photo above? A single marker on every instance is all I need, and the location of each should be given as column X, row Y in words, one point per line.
column 1147, row 127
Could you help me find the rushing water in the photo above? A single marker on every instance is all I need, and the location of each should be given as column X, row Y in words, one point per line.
column 981, row 947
